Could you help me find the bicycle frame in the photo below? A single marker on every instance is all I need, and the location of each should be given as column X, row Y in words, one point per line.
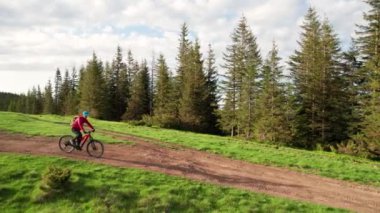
column 85, row 138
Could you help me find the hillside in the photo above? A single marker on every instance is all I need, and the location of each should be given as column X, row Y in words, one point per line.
column 316, row 162
column 127, row 150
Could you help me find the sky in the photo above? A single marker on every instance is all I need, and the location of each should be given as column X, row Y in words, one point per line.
column 37, row 37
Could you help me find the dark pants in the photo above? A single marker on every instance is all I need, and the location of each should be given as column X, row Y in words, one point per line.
column 78, row 136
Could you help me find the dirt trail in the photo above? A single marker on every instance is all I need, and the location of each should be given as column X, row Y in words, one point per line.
column 192, row 164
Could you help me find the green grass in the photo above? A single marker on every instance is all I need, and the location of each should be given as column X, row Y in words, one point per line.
column 94, row 187
column 327, row 164
column 43, row 125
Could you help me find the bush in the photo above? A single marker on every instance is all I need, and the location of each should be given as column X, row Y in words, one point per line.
column 55, row 180
column 358, row 145
column 148, row 120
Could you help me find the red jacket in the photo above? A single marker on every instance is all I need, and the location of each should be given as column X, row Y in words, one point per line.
column 78, row 123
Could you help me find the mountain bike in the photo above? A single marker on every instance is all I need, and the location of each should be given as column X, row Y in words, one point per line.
column 94, row 148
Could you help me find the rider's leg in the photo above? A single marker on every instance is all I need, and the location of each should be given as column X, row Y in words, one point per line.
column 78, row 136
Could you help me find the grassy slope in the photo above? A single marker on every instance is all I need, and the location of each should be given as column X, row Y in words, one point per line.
column 95, row 185
column 321, row 163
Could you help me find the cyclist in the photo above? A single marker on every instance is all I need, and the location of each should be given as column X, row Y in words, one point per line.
column 77, row 127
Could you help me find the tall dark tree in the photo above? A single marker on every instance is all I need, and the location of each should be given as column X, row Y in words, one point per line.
column 48, row 106
column 211, row 104
column 272, row 124
column 319, row 84
column 71, row 100
column 132, row 66
column 164, row 100
column 57, row 91
column 32, row 102
column 355, row 80
column 369, row 46
column 117, row 87
column 183, row 51
column 183, row 64
column 138, row 105
column 64, row 94
column 243, row 64
column 91, row 88
column 123, row 85
column 194, row 92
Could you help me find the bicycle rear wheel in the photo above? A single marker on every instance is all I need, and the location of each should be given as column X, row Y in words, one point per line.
column 95, row 148
column 65, row 144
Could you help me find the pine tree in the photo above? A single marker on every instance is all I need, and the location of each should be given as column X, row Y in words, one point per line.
column 138, row 105
column 64, row 95
column 194, row 92
column 272, row 123
column 183, row 51
column 369, row 46
column 211, row 103
column 73, row 99
column 48, row 99
column 40, row 100
column 316, row 72
column 164, row 102
column 132, row 66
column 57, row 90
column 354, row 84
column 31, row 101
column 69, row 93
column 183, row 64
column 122, row 84
column 242, row 61
column 117, row 87
column 91, row 88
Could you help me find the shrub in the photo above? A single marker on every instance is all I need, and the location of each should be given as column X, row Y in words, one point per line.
column 54, row 180
column 358, row 145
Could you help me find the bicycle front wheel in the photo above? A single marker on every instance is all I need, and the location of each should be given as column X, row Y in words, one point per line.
column 65, row 144
column 95, row 148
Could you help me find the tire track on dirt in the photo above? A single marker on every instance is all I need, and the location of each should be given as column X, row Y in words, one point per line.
column 176, row 160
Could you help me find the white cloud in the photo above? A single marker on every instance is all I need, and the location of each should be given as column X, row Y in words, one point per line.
column 37, row 36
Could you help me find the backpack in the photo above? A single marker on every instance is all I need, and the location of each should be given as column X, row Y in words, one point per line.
column 73, row 120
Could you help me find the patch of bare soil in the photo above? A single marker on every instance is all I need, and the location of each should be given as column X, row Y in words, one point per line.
column 202, row 166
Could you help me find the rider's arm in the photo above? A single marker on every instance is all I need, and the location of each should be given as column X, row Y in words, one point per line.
column 88, row 123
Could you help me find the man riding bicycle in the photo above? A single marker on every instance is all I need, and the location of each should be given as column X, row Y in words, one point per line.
column 77, row 127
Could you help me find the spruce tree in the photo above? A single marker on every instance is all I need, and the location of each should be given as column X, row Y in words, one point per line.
column 316, row 72
column 132, row 66
column 355, row 80
column 164, row 101
column 31, row 101
column 48, row 99
column 243, row 64
column 123, row 84
column 183, row 51
column 369, row 46
column 40, row 100
column 138, row 105
column 183, row 59
column 91, row 88
column 117, row 87
column 69, row 93
column 57, row 91
column 272, row 123
column 64, row 95
column 192, row 103
column 211, row 102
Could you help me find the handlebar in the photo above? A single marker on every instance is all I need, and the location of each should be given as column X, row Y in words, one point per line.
column 89, row 132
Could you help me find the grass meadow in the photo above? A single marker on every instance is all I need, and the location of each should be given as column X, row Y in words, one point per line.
column 100, row 188
column 321, row 163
